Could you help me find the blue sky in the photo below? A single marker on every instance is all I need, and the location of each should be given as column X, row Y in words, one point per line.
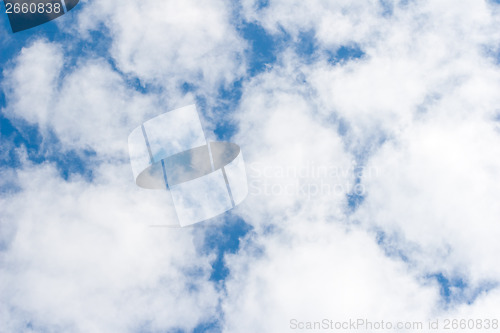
column 334, row 85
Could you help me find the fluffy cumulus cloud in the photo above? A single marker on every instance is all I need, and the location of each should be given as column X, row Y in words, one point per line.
column 321, row 272
column 81, row 258
column 372, row 159
column 170, row 42
column 77, row 104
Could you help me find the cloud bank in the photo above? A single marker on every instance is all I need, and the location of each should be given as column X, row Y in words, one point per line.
column 372, row 158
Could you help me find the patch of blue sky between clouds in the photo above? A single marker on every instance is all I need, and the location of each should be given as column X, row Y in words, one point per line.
column 262, row 4
column 387, row 7
column 361, row 153
column 210, row 326
column 354, row 200
column 344, row 53
column 306, row 46
column 40, row 150
column 228, row 98
column 492, row 53
column 213, row 326
column 218, row 238
column 222, row 239
column 455, row 290
column 391, row 245
column 226, row 102
column 264, row 47
column 261, row 55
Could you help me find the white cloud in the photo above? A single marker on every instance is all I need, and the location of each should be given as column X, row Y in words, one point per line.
column 88, row 106
column 334, row 22
column 437, row 186
column 170, row 42
column 82, row 257
column 30, row 87
column 317, row 271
